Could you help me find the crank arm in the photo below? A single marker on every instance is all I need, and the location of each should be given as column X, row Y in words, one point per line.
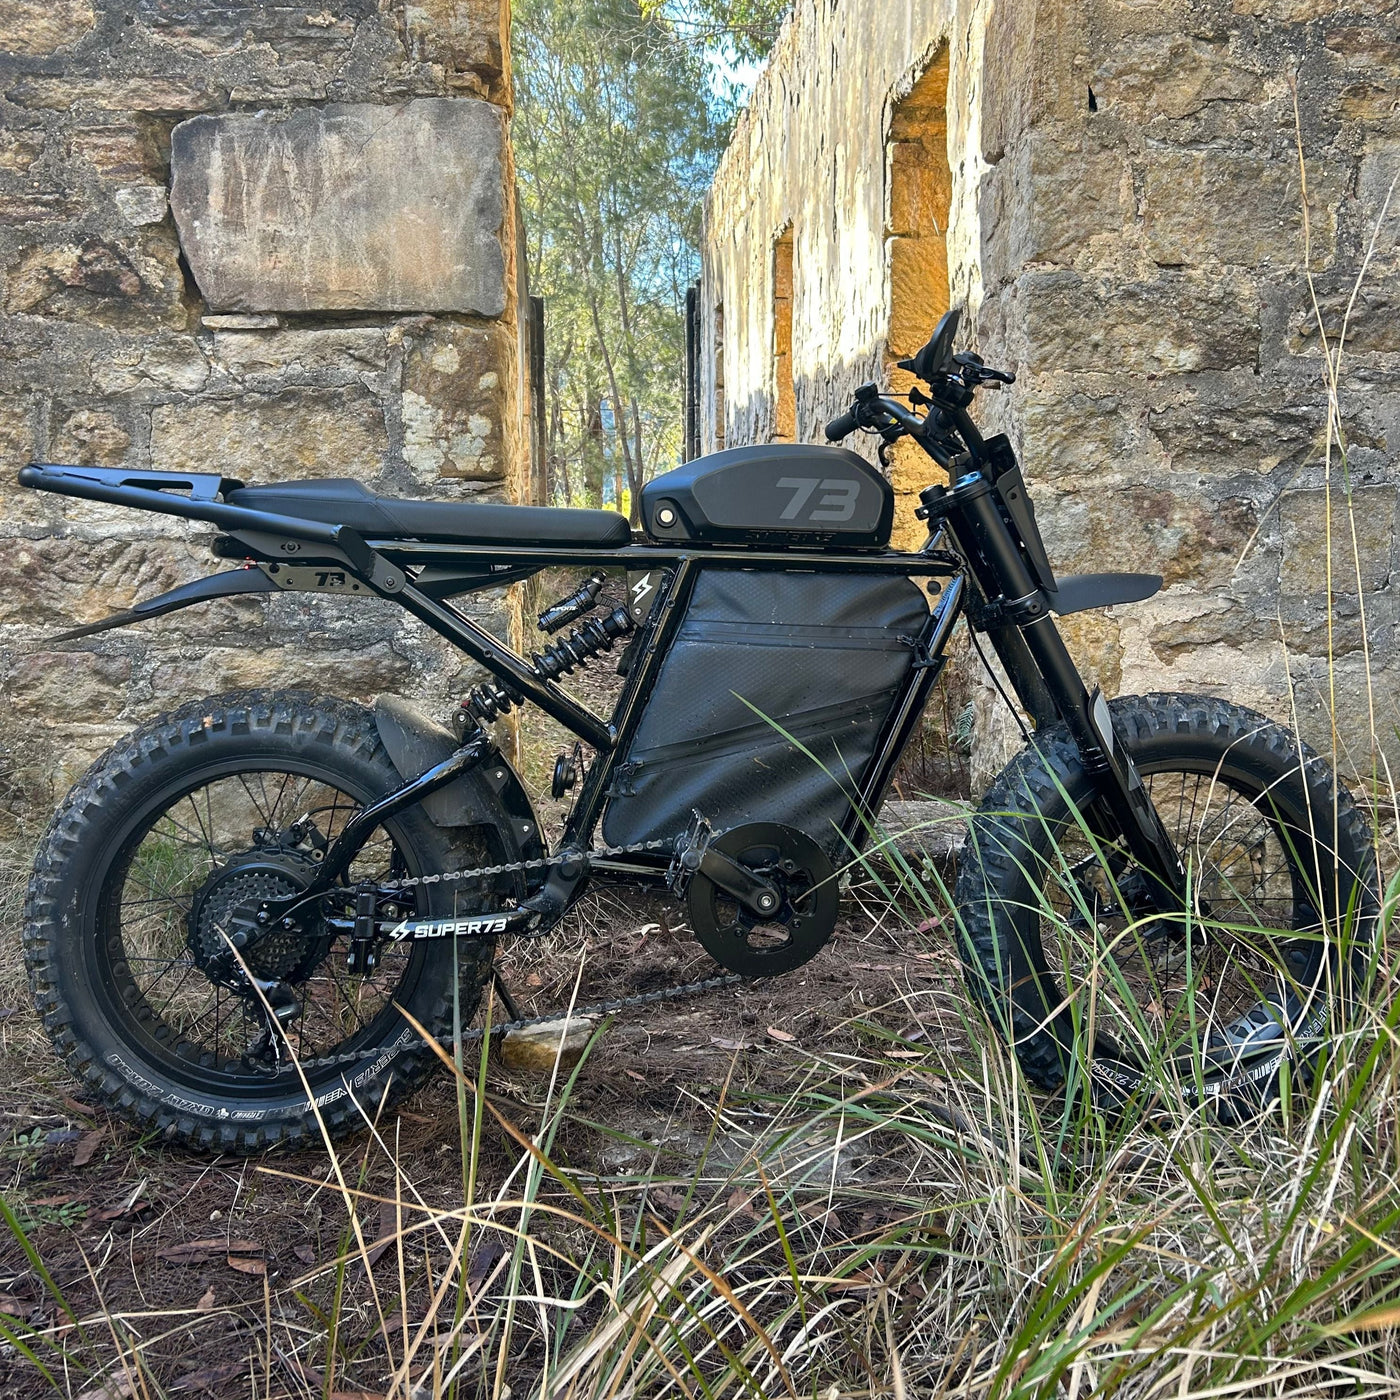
column 757, row 895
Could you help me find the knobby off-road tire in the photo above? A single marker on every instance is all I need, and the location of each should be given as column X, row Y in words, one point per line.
column 111, row 1026
column 1063, row 965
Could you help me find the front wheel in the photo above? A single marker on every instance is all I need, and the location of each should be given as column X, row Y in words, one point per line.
column 1217, row 1002
column 164, row 845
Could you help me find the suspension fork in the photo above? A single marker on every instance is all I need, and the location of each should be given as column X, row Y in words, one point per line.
column 1046, row 680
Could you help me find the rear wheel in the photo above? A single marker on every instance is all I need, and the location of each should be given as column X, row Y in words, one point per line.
column 163, row 847
column 1064, row 947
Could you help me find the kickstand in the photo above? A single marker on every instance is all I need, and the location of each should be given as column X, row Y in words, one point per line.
column 508, row 1001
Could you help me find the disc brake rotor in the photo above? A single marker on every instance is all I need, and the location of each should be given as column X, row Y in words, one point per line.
column 763, row 947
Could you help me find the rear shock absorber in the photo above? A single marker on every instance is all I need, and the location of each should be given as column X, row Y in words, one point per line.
column 491, row 699
column 596, row 635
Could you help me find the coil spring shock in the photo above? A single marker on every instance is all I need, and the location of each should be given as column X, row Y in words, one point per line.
column 487, row 701
column 491, row 700
column 583, row 643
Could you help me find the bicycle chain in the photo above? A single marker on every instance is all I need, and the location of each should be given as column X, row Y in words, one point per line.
column 452, row 877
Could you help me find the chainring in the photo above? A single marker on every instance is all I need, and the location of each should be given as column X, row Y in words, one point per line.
column 763, row 947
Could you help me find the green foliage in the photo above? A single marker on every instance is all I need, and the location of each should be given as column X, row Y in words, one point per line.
column 616, row 141
column 746, row 27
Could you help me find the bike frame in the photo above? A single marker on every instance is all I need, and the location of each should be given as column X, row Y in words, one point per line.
column 989, row 579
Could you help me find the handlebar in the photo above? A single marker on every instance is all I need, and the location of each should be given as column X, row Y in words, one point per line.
column 842, row 426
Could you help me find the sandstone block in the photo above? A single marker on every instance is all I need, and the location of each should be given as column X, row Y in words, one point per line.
column 1311, row 525
column 250, row 353
column 345, row 207
column 300, row 433
column 102, row 283
column 1208, row 207
column 1175, row 323
column 63, row 581
column 60, row 687
column 918, row 291
column 539, row 1048
column 152, row 363
column 1171, row 75
column 141, row 204
column 454, row 402
column 116, row 150
column 357, row 675
column 90, row 437
column 32, row 30
column 920, row 189
column 1185, row 537
column 114, row 94
column 20, row 149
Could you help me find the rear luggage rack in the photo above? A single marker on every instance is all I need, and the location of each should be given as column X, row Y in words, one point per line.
column 156, row 491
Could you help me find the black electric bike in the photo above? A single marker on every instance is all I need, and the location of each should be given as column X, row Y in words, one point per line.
column 238, row 909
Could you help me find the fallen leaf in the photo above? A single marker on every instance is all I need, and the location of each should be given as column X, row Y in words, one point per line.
column 740, row 1202
column 210, row 1251
column 725, row 1043
column 305, row 1253
column 388, row 1228
column 83, row 1110
column 904, row 1054
column 206, row 1300
column 780, row 1035
column 664, row 1196
column 87, row 1145
column 53, row 1200
column 246, row 1265
column 211, row 1376
column 632, row 1074
column 484, row 1256
column 12, row 1306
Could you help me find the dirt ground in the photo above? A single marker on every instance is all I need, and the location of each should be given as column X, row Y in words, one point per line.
column 207, row 1261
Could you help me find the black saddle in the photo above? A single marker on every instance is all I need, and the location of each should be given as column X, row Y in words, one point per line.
column 338, row 501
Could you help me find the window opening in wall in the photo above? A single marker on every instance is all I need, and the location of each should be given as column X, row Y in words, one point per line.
column 719, row 376
column 920, row 185
column 785, row 394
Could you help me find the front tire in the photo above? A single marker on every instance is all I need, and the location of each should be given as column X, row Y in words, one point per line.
column 1213, row 1005
column 117, row 948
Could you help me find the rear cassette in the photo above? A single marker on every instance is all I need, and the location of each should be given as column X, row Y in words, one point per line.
column 798, row 929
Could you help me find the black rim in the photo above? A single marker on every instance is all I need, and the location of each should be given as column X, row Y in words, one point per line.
column 159, row 999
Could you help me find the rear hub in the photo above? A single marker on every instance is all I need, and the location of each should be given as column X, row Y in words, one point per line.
column 228, row 910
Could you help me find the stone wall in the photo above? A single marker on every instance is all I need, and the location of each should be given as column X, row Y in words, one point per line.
column 1125, row 227
column 268, row 241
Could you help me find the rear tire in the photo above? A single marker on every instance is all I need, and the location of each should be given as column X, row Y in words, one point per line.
column 161, row 1068
column 1207, row 1006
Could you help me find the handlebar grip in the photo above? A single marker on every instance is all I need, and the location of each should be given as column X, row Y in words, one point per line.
column 840, row 427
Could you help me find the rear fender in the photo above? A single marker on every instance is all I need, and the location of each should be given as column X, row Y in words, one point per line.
column 416, row 743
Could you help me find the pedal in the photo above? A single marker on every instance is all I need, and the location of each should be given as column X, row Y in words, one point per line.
column 690, row 851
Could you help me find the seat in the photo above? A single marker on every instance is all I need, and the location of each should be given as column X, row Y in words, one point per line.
column 337, row 501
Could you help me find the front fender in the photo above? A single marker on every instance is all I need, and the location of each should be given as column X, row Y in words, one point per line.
column 491, row 795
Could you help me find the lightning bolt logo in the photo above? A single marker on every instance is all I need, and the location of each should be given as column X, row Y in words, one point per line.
column 641, row 588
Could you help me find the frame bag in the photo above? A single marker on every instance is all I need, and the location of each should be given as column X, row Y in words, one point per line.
column 766, row 665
